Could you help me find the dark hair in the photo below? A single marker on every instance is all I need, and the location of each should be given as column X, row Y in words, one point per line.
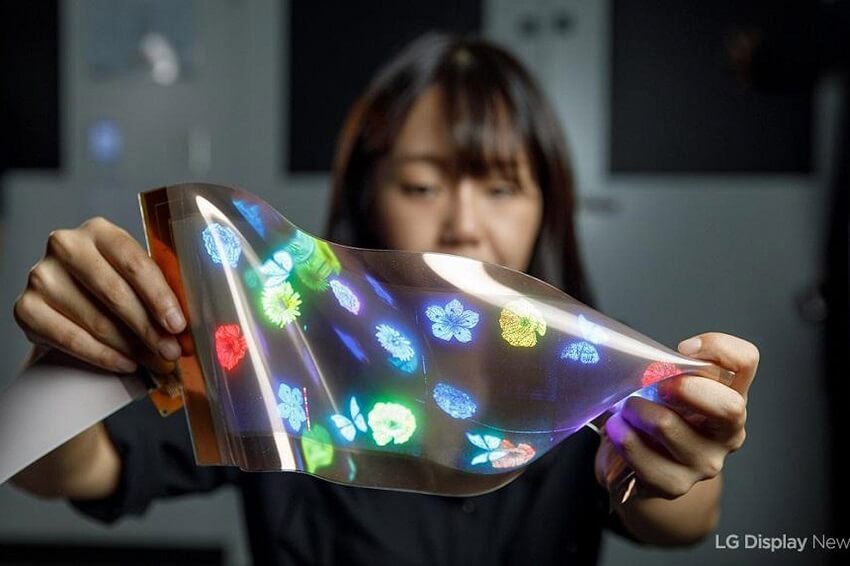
column 483, row 87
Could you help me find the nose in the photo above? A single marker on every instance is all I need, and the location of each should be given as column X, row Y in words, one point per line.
column 463, row 224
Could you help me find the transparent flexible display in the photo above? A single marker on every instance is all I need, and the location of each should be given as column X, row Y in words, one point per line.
column 400, row 370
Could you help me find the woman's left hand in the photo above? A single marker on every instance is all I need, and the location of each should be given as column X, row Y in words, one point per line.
column 686, row 437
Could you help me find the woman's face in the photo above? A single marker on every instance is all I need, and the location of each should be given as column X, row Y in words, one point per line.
column 420, row 207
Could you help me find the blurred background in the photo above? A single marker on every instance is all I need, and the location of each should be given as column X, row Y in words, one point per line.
column 707, row 140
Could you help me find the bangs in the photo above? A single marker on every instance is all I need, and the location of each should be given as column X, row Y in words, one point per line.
column 486, row 135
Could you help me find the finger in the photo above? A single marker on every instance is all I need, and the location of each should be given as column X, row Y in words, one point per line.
column 127, row 257
column 99, row 277
column 48, row 326
column 64, row 294
column 656, row 474
column 78, row 305
column 727, row 351
column 671, row 431
column 60, row 291
column 722, row 410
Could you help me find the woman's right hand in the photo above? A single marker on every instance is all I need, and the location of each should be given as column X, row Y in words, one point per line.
column 98, row 296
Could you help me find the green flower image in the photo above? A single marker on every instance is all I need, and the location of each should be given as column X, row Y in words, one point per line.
column 314, row 271
column 317, row 447
column 280, row 304
column 391, row 421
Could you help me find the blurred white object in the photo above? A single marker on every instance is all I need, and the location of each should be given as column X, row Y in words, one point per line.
column 53, row 399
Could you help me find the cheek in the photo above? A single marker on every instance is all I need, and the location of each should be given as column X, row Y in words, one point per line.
column 513, row 233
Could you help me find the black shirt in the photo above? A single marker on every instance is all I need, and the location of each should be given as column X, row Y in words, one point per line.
column 553, row 513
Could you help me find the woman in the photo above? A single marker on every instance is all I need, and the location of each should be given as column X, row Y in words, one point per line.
column 452, row 148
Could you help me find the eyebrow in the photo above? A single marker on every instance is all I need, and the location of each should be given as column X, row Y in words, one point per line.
column 444, row 163
column 438, row 161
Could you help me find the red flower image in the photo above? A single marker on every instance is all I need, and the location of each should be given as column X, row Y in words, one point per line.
column 656, row 371
column 230, row 345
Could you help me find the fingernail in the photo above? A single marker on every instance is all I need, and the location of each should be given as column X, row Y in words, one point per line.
column 690, row 346
column 125, row 364
column 169, row 349
column 615, row 427
column 174, row 320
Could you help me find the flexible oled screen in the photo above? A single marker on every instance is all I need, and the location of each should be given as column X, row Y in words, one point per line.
column 390, row 369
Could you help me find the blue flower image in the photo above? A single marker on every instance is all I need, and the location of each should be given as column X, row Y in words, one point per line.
column 407, row 367
column 345, row 296
column 394, row 342
column 277, row 269
column 291, row 406
column 251, row 213
column 222, row 244
column 453, row 401
column 581, row 351
column 452, row 321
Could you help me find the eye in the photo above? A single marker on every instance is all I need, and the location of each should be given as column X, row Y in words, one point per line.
column 418, row 190
column 503, row 190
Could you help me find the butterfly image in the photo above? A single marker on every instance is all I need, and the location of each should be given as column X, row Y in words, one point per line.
column 488, row 443
column 501, row 453
column 347, row 426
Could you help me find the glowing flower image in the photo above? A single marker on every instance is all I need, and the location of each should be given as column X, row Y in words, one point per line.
column 276, row 270
column 301, row 246
column 452, row 321
column 408, row 366
column 453, row 401
column 315, row 270
column 501, row 453
column 521, row 322
column 656, row 371
column 251, row 213
column 582, row 351
column 222, row 244
column 230, row 346
column 394, row 342
column 291, row 406
column 281, row 303
column 345, row 296
column 317, row 447
column 391, row 422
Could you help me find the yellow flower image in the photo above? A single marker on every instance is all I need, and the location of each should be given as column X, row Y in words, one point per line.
column 280, row 303
column 391, row 421
column 521, row 322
